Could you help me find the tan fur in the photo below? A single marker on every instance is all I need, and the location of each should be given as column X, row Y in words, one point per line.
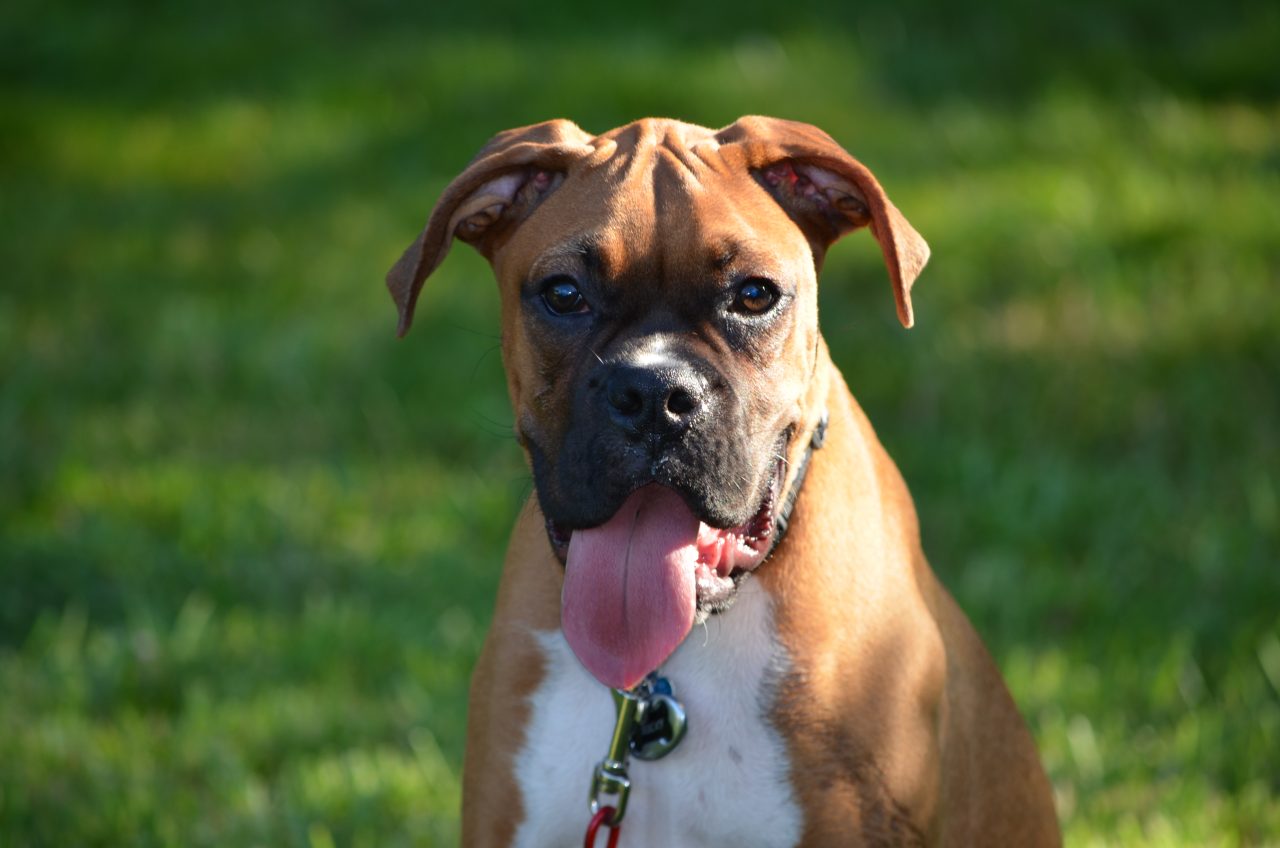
column 508, row 671
column 899, row 727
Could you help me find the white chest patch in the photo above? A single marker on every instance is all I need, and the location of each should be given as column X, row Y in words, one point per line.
column 727, row 783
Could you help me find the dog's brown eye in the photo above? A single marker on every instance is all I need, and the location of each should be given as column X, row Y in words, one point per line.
column 563, row 298
column 755, row 296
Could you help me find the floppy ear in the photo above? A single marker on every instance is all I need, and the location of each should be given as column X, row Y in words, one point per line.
column 829, row 193
column 506, row 181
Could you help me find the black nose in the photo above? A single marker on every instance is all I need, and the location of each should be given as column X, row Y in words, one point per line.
column 657, row 401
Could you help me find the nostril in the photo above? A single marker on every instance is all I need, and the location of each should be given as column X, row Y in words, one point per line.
column 626, row 400
column 680, row 402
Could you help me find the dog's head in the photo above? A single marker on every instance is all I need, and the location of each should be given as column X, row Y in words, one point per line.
column 660, row 338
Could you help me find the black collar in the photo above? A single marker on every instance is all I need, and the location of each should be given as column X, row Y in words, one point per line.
column 788, row 503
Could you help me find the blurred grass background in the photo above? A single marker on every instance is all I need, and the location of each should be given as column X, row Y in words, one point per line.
column 248, row 540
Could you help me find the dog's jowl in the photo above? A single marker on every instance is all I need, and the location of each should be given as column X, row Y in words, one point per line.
column 714, row 522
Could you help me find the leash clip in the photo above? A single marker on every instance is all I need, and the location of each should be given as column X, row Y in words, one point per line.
column 610, row 777
column 650, row 724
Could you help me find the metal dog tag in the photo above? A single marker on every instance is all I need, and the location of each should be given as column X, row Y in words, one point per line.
column 660, row 723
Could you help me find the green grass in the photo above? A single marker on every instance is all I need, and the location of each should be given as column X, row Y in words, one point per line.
column 248, row 540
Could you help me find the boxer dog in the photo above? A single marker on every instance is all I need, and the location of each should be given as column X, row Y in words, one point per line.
column 713, row 514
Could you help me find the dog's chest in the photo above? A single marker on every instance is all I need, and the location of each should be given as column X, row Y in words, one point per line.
column 727, row 782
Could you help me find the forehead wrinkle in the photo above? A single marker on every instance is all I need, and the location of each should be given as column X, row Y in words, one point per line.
column 751, row 255
column 724, row 257
column 681, row 160
column 580, row 252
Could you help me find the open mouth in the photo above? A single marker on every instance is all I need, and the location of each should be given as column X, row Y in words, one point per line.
column 636, row 584
column 724, row 555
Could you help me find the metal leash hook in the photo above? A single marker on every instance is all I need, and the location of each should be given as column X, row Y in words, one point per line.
column 651, row 723
column 611, row 777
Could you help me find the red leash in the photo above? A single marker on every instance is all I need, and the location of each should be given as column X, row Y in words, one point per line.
column 602, row 815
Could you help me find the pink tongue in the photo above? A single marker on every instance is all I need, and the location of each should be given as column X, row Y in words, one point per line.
column 629, row 591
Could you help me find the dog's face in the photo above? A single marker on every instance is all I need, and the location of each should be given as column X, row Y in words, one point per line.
column 660, row 338
column 658, row 330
